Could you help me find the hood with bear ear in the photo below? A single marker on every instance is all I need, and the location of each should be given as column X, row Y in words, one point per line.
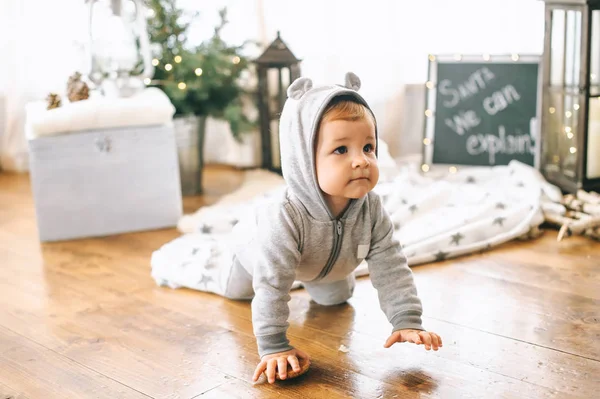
column 298, row 127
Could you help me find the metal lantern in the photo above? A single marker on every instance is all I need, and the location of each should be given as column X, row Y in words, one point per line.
column 277, row 67
column 570, row 125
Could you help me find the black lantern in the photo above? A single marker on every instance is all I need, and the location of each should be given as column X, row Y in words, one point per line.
column 570, row 125
column 277, row 67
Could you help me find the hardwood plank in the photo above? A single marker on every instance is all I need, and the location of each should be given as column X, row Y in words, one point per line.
column 7, row 392
column 322, row 330
column 153, row 350
column 34, row 371
column 556, row 371
column 518, row 321
column 550, row 318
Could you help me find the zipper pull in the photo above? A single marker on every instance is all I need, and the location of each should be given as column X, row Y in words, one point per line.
column 339, row 228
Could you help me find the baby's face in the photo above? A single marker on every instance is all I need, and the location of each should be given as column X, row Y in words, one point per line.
column 345, row 158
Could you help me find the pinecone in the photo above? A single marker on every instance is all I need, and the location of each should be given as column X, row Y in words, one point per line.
column 53, row 101
column 77, row 89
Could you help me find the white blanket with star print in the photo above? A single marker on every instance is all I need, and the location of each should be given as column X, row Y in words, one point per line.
column 436, row 217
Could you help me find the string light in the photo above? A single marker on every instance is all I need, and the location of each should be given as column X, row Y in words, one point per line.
column 155, row 62
column 236, row 60
column 428, row 113
column 425, row 168
column 568, row 114
column 168, row 67
column 198, row 71
column 453, row 169
column 426, row 141
column 576, row 107
column 572, row 150
column 515, row 57
column 570, row 135
column 182, row 86
column 458, row 57
column 429, row 84
column 552, row 110
column 568, row 129
column 177, row 59
column 486, row 57
column 431, row 57
column 147, row 81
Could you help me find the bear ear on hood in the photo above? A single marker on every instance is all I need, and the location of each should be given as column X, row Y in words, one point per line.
column 352, row 81
column 299, row 87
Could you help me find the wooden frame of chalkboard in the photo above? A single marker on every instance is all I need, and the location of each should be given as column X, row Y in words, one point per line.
column 481, row 110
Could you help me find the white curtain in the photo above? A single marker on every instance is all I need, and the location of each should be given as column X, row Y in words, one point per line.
column 40, row 45
column 385, row 42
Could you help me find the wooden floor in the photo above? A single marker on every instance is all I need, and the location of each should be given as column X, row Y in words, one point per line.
column 84, row 319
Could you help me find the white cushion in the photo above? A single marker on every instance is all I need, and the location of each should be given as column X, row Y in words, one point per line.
column 149, row 107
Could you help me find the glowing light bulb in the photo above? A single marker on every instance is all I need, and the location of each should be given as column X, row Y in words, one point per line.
column 168, row 67
column 181, row 86
column 177, row 59
column 155, row 62
column 425, row 168
column 198, row 71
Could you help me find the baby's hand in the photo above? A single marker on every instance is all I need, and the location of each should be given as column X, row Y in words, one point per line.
column 431, row 340
column 279, row 361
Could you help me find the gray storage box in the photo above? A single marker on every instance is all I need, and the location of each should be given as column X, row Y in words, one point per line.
column 103, row 182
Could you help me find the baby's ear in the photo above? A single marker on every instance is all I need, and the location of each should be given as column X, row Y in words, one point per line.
column 299, row 87
column 352, row 81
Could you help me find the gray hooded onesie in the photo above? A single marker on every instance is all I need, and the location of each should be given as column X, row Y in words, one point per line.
column 295, row 237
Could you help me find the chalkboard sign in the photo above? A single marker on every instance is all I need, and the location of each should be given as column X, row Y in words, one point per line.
column 481, row 110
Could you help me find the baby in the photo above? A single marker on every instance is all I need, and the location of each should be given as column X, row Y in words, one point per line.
column 322, row 226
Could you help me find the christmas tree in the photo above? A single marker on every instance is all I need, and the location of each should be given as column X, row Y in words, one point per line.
column 202, row 79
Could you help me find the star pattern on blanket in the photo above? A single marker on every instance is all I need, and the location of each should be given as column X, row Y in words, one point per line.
column 520, row 184
column 234, row 222
column 206, row 229
column 500, row 205
column 413, row 208
column 195, row 251
column 441, row 255
column 456, row 238
column 499, row 221
column 205, row 280
column 471, row 179
column 397, row 225
column 210, row 265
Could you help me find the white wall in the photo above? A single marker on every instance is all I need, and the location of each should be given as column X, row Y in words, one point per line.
column 385, row 42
